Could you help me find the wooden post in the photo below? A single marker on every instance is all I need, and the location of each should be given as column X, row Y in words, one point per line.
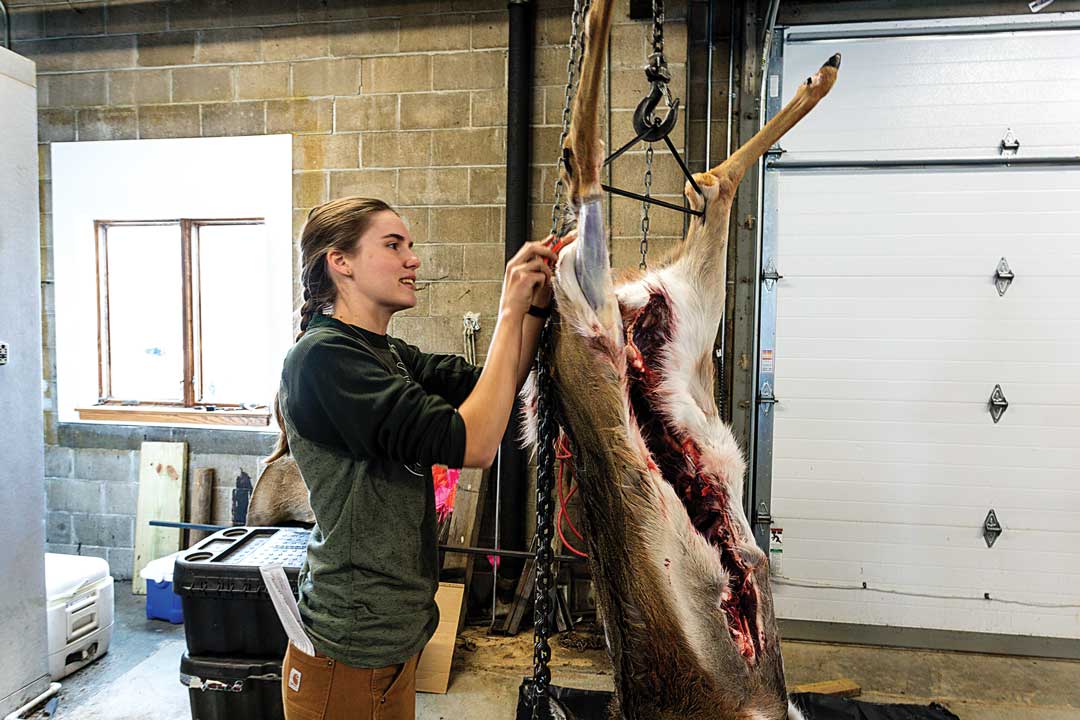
column 202, row 502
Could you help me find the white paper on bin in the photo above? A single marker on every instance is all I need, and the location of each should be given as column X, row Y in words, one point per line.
column 160, row 570
column 277, row 585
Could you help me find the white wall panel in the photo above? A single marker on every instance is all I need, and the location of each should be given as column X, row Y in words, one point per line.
column 890, row 337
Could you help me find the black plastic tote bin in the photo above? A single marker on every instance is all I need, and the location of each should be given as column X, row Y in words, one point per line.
column 233, row 688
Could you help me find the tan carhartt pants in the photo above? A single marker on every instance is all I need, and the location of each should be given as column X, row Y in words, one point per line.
column 318, row 688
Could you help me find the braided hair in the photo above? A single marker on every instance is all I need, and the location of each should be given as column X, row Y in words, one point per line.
column 336, row 225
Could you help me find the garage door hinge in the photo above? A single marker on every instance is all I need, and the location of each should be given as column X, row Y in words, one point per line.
column 998, row 404
column 1003, row 277
column 766, row 398
column 991, row 528
column 1010, row 145
column 770, row 276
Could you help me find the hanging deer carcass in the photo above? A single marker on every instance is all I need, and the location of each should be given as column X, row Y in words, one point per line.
column 682, row 587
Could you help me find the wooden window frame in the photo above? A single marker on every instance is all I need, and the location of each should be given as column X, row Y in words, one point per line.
column 192, row 408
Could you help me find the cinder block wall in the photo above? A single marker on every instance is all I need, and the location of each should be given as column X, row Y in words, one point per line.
column 400, row 99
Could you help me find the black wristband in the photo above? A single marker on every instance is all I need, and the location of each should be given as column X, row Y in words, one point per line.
column 542, row 313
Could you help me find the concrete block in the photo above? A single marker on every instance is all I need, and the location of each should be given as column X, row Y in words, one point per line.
column 318, row 152
column 26, row 23
column 56, row 125
column 317, row 78
column 434, row 110
column 397, row 73
column 140, row 87
column 75, row 19
column 50, row 421
column 57, row 527
column 61, row 548
column 434, row 334
column 104, row 530
column 487, row 185
column 333, row 10
column 168, row 121
column 438, row 32
column 172, row 48
column 553, row 27
column 92, row 551
column 292, row 42
column 228, row 45
column 626, row 219
column 243, row 118
column 121, row 562
column 630, row 45
column 70, row 495
column 490, row 30
column 440, row 262
column 380, row 184
column 366, row 112
column 453, row 299
column 202, row 84
column 105, row 52
column 299, row 116
column 626, row 251
column 79, row 90
column 550, row 66
column 397, row 149
column 59, row 461
column 466, row 225
column 469, row 146
column 264, row 80
column 487, row 107
column 309, row 189
column 484, row 261
column 462, row 71
column 107, row 124
column 442, row 186
column 106, row 465
column 136, row 17
column 370, row 37
column 546, row 147
column 418, row 220
column 121, row 498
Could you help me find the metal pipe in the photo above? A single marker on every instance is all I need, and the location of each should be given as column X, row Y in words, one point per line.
column 710, row 45
column 7, row 24
column 924, row 163
column 513, row 464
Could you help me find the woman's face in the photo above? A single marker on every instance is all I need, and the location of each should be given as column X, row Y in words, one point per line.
column 384, row 263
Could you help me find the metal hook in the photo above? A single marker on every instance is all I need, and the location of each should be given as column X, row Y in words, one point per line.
column 649, row 127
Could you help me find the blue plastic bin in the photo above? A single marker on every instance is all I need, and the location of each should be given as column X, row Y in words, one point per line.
column 162, row 603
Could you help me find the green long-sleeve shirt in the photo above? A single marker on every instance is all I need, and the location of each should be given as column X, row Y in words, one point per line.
column 366, row 416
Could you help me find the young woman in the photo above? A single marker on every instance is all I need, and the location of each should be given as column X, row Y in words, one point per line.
column 365, row 416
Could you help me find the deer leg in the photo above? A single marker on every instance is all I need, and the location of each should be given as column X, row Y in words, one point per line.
column 583, row 149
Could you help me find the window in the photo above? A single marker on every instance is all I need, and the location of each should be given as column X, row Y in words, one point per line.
column 181, row 313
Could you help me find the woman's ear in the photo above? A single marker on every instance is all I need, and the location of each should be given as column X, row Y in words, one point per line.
column 339, row 263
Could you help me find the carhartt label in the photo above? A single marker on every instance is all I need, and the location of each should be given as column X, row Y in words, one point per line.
column 294, row 679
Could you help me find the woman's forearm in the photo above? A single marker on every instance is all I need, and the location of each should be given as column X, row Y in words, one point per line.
column 486, row 411
column 531, row 327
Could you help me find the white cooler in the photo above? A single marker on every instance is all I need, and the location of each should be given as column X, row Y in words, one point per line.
column 80, row 611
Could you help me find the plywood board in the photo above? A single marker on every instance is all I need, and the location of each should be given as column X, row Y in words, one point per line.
column 842, row 687
column 433, row 670
column 162, row 468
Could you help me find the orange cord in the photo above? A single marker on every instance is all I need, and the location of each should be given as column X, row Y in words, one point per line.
column 562, row 453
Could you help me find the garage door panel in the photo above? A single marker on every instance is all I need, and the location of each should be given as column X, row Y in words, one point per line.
column 826, row 410
column 933, row 370
column 891, row 335
column 924, row 514
column 975, row 476
column 905, row 539
column 909, row 78
column 884, row 288
column 928, row 329
column 1004, row 350
column 906, row 431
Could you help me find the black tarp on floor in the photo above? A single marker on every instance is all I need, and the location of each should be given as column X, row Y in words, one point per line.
column 577, row 704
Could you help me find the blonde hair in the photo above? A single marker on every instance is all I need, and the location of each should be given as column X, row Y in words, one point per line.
column 336, row 225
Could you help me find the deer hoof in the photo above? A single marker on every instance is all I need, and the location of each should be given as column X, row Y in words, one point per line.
column 708, row 184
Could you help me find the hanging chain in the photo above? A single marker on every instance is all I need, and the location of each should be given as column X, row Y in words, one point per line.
column 560, row 209
column 543, row 618
column 643, row 265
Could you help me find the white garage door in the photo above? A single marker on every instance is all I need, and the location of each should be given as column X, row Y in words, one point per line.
column 891, row 335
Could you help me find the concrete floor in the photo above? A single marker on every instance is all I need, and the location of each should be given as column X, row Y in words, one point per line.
column 139, row 677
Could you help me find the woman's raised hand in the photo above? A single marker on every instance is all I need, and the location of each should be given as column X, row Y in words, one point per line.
column 527, row 276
